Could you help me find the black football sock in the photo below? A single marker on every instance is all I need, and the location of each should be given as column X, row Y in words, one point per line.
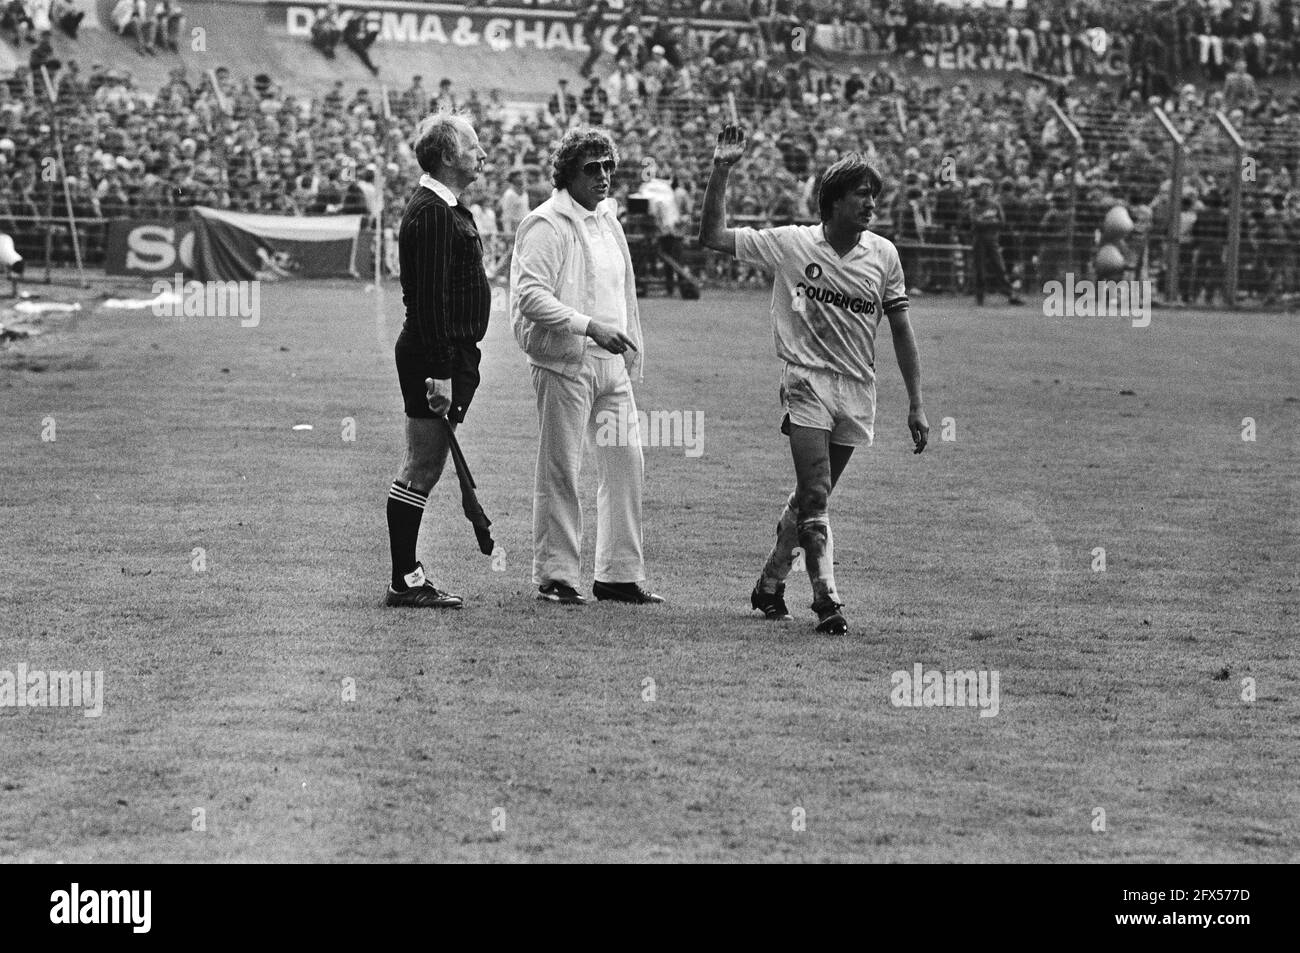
column 405, row 510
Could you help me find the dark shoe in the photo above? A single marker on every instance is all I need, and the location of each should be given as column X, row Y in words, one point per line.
column 559, row 592
column 624, row 592
column 423, row 595
column 772, row 604
column 1015, row 299
column 829, row 619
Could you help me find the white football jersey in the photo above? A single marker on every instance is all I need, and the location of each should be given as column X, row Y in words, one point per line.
column 825, row 309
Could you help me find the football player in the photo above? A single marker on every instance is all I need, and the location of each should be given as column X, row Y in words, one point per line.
column 833, row 282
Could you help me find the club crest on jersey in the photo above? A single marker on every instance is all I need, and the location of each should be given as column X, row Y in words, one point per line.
column 805, row 292
column 813, row 272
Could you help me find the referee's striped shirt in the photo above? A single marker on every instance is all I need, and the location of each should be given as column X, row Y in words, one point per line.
column 444, row 287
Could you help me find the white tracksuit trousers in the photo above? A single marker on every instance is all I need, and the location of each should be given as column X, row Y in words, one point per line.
column 569, row 414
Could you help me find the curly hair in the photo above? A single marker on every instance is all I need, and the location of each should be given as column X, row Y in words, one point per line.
column 577, row 146
column 846, row 176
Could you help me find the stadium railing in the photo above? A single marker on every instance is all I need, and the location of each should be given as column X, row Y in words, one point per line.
column 1124, row 152
column 1220, row 231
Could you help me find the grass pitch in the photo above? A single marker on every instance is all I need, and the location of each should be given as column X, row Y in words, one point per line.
column 514, row 731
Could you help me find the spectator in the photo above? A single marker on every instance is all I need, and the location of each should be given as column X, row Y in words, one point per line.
column 326, row 31
column 658, row 76
column 631, row 47
column 39, row 12
column 42, row 57
column 1239, row 88
column 484, row 211
column 131, row 18
column 882, row 81
column 854, row 84
column 566, row 110
column 593, row 19
column 539, row 190
column 1209, row 237
column 672, row 37
column 987, row 221
column 514, row 202
column 16, row 20
column 414, row 101
column 445, row 101
column 169, row 24
column 67, row 17
column 71, row 84
column 359, row 34
column 760, row 14
column 911, row 225
column 623, row 85
column 595, row 101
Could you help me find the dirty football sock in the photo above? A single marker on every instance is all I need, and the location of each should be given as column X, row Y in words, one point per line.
column 814, row 537
column 779, row 560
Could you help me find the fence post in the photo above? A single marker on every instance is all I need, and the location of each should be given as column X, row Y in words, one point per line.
column 1076, row 141
column 1175, row 206
column 56, row 132
column 1234, row 212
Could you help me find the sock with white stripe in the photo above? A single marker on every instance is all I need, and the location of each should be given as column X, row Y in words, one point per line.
column 777, row 567
column 405, row 511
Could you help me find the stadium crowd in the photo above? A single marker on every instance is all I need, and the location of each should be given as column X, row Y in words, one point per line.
column 1065, row 37
column 952, row 154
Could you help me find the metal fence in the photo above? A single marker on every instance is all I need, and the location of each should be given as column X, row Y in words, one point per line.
column 1215, row 196
column 1217, row 211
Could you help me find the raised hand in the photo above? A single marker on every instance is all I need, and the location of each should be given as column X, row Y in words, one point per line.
column 731, row 145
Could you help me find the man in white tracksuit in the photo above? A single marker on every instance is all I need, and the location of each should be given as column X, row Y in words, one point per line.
column 574, row 312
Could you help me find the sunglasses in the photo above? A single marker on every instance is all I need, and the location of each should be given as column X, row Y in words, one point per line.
column 595, row 166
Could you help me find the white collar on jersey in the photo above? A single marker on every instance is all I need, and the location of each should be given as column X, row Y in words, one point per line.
column 819, row 235
column 438, row 189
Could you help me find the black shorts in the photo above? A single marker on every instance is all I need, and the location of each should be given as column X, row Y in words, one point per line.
column 413, row 369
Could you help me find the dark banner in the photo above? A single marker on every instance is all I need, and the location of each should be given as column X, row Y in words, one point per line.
column 136, row 247
column 236, row 246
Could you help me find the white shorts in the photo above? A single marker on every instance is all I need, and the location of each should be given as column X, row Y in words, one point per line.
column 825, row 400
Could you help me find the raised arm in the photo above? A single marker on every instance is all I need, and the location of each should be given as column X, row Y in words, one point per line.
column 713, row 220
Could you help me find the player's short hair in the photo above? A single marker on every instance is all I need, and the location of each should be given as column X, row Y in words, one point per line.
column 437, row 135
column 577, row 146
column 846, row 176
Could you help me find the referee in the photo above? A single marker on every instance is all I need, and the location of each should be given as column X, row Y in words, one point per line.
column 447, row 299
